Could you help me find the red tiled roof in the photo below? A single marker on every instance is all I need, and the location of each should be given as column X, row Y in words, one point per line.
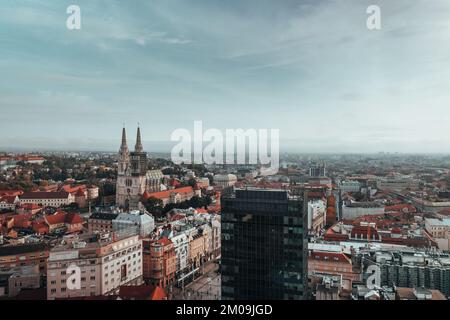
column 177, row 216
column 80, row 193
column 335, row 237
column 73, row 218
column 166, row 194
column 57, row 218
column 400, row 207
column 164, row 241
column 22, row 220
column 158, row 294
column 368, row 232
column 11, row 192
column 315, row 195
column 8, row 199
column 75, row 189
column 396, row 230
column 45, row 195
column 142, row 292
column 330, row 256
column 62, row 217
column 30, row 206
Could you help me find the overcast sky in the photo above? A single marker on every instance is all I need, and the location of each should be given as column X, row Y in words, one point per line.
column 310, row 68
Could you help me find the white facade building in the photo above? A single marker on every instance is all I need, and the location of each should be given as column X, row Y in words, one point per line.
column 83, row 268
column 225, row 180
column 358, row 209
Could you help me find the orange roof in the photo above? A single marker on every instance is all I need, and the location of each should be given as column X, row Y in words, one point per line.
column 73, row 218
column 330, row 256
column 146, row 195
column 79, row 193
column 11, row 192
column 22, row 220
column 30, row 206
column 164, row 241
column 70, row 189
column 8, row 199
column 158, row 294
column 57, row 218
column 63, row 217
column 142, row 292
column 166, row 194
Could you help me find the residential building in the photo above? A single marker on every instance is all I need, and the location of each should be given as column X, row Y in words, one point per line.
column 439, row 229
column 101, row 222
column 8, row 202
column 316, row 215
column 408, row 268
column 418, row 294
column 48, row 199
column 159, row 262
column 16, row 279
column 29, row 254
column 172, row 196
column 352, row 210
column 94, row 266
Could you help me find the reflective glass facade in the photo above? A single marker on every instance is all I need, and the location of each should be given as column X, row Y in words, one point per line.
column 264, row 246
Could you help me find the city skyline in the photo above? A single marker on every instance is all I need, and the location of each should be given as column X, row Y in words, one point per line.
column 310, row 68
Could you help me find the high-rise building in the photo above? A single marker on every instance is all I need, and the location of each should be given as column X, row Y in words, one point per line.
column 264, row 245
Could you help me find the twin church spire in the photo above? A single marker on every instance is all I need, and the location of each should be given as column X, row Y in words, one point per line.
column 124, row 147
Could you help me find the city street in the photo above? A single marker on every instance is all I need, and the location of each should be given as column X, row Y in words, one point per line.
column 205, row 287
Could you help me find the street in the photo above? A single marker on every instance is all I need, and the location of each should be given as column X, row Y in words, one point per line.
column 205, row 287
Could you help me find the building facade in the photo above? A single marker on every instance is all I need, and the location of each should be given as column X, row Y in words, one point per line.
column 24, row 255
column 264, row 245
column 159, row 262
column 48, row 199
column 132, row 169
column 93, row 267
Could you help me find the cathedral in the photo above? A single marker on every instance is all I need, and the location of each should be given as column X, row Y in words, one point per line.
column 133, row 177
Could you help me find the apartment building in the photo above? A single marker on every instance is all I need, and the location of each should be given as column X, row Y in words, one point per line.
column 48, row 199
column 159, row 262
column 94, row 266
column 29, row 254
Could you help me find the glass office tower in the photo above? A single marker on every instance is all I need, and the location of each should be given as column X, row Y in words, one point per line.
column 264, row 245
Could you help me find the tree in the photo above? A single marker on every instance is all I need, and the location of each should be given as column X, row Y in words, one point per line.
column 154, row 206
column 192, row 182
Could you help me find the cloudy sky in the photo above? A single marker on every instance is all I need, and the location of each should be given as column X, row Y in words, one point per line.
column 310, row 68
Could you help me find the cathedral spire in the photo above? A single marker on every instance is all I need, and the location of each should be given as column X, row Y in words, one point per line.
column 124, row 146
column 138, row 147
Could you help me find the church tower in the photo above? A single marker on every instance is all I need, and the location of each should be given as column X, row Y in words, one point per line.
column 132, row 170
column 124, row 155
column 138, row 157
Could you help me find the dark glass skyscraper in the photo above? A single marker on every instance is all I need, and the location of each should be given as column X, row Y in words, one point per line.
column 264, row 246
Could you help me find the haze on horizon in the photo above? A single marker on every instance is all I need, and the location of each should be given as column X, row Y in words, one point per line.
column 310, row 68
